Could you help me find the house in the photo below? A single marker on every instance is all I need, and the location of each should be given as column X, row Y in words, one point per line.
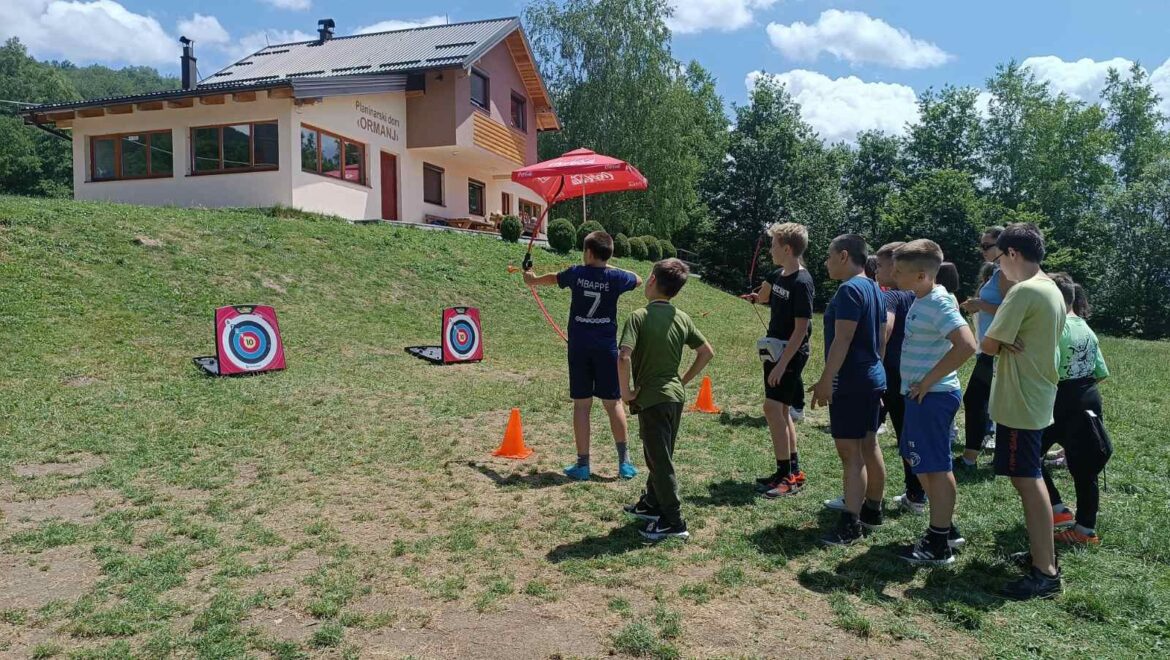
column 410, row 125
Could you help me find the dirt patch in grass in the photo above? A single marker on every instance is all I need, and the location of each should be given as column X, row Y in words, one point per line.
column 76, row 508
column 71, row 466
column 32, row 581
column 80, row 381
column 283, row 574
column 146, row 241
column 282, row 623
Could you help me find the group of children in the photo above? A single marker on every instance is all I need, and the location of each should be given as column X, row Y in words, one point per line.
column 894, row 341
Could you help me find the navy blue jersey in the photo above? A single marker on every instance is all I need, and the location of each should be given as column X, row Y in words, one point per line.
column 898, row 303
column 858, row 299
column 593, row 312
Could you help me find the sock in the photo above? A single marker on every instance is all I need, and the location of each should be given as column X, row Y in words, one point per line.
column 1086, row 530
column 850, row 519
column 1059, row 508
column 795, row 463
column 784, row 468
column 582, row 460
column 623, row 451
column 873, row 505
column 936, row 536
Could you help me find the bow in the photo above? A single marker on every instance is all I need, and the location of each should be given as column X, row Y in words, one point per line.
column 526, row 265
column 752, row 279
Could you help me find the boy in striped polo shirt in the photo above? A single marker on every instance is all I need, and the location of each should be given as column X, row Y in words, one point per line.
column 938, row 341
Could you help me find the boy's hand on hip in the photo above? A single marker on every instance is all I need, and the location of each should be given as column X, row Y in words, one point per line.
column 630, row 397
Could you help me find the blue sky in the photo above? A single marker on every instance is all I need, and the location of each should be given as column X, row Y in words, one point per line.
column 853, row 64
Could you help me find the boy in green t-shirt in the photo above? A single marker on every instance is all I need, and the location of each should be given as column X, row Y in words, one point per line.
column 651, row 348
column 1024, row 336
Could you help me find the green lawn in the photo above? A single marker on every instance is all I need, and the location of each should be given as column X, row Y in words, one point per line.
column 350, row 507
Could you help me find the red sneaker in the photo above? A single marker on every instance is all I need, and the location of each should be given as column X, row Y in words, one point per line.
column 786, row 487
column 797, row 478
column 1063, row 519
column 1074, row 537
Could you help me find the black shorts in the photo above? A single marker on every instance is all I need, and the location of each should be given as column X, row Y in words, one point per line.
column 790, row 389
column 854, row 415
column 593, row 373
column 1018, row 452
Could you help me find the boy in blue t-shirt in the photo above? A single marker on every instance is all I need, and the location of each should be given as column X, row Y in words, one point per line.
column 593, row 351
column 852, row 385
column 937, row 342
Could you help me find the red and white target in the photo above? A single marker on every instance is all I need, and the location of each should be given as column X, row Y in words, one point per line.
column 248, row 339
column 462, row 339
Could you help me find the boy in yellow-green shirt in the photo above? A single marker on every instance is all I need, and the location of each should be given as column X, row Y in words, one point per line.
column 1024, row 337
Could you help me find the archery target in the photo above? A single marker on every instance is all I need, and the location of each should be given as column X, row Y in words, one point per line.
column 462, row 340
column 248, row 339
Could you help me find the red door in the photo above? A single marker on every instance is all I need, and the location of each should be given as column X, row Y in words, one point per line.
column 389, row 186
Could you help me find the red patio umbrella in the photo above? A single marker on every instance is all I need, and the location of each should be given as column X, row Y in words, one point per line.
column 574, row 174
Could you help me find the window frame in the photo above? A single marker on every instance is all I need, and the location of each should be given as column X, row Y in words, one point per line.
column 471, row 183
column 487, row 91
column 364, row 168
column 117, row 139
column 517, row 96
column 252, row 167
column 442, row 184
column 506, row 202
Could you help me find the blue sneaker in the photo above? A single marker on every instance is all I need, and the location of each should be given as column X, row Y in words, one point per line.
column 627, row 471
column 577, row 472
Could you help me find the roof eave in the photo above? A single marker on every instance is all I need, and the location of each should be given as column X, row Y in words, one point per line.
column 514, row 25
column 170, row 95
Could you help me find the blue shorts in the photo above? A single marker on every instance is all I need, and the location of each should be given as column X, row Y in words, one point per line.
column 854, row 415
column 926, row 431
column 1018, row 452
column 593, row 373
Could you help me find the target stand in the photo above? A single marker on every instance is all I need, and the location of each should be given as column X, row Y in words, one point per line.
column 247, row 341
column 461, row 338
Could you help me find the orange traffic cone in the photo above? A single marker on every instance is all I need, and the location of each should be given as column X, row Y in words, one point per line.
column 513, row 444
column 706, row 401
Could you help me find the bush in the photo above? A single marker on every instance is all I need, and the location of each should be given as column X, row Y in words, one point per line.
column 510, row 228
column 653, row 251
column 586, row 229
column 669, row 251
column 621, row 245
column 638, row 249
column 561, row 235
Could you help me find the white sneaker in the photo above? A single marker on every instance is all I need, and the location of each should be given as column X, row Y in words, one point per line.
column 904, row 502
column 796, row 414
column 836, row 505
column 989, row 442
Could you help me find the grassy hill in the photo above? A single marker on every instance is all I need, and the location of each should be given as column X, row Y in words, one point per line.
column 349, row 506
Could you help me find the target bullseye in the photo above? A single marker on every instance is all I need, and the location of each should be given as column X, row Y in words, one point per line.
column 249, row 340
column 461, row 336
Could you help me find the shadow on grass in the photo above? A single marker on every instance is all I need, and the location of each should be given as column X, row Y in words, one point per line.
column 726, row 493
column 618, row 541
column 739, row 419
column 980, row 474
column 873, row 571
column 535, row 480
column 792, row 542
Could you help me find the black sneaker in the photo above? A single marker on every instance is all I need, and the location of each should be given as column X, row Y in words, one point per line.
column 660, row 531
column 1033, row 585
column 925, row 553
column 960, row 466
column 847, row 532
column 955, row 540
column 640, row 510
column 871, row 518
column 765, row 484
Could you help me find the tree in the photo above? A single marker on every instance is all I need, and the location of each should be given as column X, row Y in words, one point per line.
column 32, row 162
column 874, row 172
column 948, row 133
column 1135, row 121
column 618, row 90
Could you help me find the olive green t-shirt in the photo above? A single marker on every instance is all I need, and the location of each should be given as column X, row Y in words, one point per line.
column 656, row 334
column 1023, row 389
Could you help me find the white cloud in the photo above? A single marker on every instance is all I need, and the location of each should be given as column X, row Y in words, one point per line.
column 393, row 24
column 1160, row 80
column 839, row 108
column 204, row 30
column 1083, row 79
column 691, row 16
column 98, row 31
column 296, row 5
column 857, row 38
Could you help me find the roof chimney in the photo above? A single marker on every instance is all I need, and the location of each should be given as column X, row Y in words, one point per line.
column 325, row 29
column 187, row 63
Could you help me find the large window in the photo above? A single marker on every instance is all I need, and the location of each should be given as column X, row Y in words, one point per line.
column 234, row 148
column 480, row 90
column 519, row 112
column 432, row 184
column 476, row 192
column 131, row 156
column 329, row 154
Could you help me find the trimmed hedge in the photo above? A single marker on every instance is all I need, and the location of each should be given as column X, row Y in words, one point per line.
column 621, row 245
column 669, row 251
column 653, row 250
column 510, row 228
column 638, row 249
column 561, row 235
column 586, row 229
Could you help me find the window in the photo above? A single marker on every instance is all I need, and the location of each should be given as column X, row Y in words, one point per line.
column 234, row 148
column 332, row 155
column 131, row 156
column 476, row 192
column 479, row 90
column 432, row 184
column 529, row 215
column 505, row 204
column 519, row 112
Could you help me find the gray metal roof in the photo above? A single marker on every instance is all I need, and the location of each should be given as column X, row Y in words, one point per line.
column 399, row 51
